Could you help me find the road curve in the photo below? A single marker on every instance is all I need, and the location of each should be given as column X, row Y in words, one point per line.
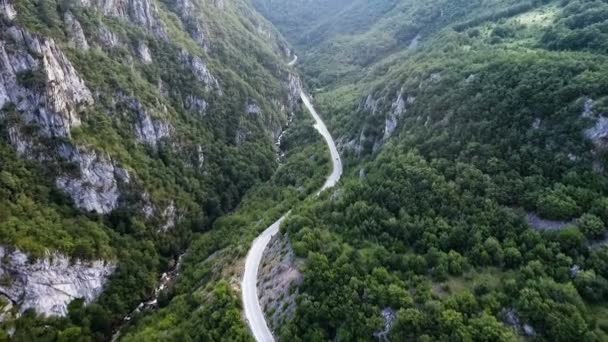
column 293, row 61
column 336, row 173
column 253, row 310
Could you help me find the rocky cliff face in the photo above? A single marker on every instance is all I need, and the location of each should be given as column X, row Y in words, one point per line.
column 38, row 79
column 66, row 92
column 294, row 86
column 253, row 109
column 598, row 134
column 96, row 186
column 143, row 51
column 200, row 70
column 370, row 104
column 398, row 108
column 109, row 39
column 195, row 26
column 142, row 13
column 184, row 7
column 279, row 281
column 196, row 105
column 75, row 32
column 50, row 284
column 149, row 130
column 47, row 91
column 7, row 9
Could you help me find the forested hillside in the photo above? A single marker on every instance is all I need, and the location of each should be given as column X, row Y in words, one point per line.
column 127, row 129
column 476, row 202
column 144, row 144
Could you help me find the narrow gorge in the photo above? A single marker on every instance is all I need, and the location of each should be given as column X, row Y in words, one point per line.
column 167, row 171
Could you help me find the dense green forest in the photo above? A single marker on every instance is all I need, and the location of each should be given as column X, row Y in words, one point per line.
column 464, row 124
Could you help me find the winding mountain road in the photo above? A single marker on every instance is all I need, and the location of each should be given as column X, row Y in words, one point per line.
column 293, row 61
column 336, row 172
column 253, row 310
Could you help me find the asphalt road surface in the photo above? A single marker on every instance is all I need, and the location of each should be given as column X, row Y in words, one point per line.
column 253, row 310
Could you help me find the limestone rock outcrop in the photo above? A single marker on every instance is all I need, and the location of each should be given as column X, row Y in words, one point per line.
column 143, row 51
column 169, row 216
column 50, row 284
column 96, row 186
column 279, row 281
column 38, row 79
column 187, row 11
column 294, row 86
column 253, row 109
column 369, row 104
column 598, row 134
column 196, row 104
column 143, row 13
column 75, row 33
column 200, row 70
column 398, row 108
column 184, row 7
column 108, row 38
column 7, row 9
column 149, row 130
column 199, row 34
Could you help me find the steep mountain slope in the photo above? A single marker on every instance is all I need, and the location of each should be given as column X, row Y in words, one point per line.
column 128, row 127
column 476, row 207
